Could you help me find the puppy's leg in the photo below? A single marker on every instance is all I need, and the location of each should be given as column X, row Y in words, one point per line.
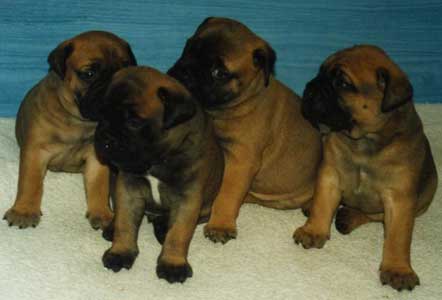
column 129, row 212
column 348, row 219
column 96, row 182
column 32, row 169
column 237, row 179
column 172, row 262
column 396, row 268
column 316, row 230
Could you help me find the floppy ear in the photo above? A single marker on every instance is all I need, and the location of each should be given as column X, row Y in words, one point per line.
column 177, row 108
column 264, row 58
column 57, row 58
column 397, row 89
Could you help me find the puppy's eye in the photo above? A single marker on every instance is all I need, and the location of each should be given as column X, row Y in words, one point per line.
column 341, row 83
column 220, row 74
column 163, row 94
column 87, row 75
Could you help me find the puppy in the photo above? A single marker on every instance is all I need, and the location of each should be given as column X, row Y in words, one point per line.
column 169, row 162
column 55, row 124
column 377, row 160
column 271, row 152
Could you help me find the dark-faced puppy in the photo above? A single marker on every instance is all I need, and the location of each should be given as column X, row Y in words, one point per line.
column 377, row 160
column 271, row 152
column 55, row 124
column 169, row 165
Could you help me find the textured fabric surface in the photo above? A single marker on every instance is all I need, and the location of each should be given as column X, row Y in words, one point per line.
column 303, row 34
column 61, row 258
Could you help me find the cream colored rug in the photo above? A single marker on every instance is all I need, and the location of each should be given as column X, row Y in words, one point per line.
column 61, row 258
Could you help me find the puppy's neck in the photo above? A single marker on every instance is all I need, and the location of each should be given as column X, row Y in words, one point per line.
column 402, row 123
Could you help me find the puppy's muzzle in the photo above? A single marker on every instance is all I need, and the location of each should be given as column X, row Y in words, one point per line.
column 117, row 151
column 320, row 105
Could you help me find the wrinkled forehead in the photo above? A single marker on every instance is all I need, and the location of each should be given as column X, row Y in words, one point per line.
column 230, row 46
column 210, row 45
column 359, row 59
column 359, row 64
column 155, row 80
column 141, row 86
column 87, row 49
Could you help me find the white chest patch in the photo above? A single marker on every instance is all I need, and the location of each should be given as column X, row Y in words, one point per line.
column 154, row 183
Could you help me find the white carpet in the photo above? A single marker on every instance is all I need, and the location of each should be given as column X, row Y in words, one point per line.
column 61, row 258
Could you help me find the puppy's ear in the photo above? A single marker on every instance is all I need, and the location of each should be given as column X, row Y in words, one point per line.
column 397, row 89
column 132, row 60
column 204, row 23
column 177, row 108
column 265, row 58
column 57, row 58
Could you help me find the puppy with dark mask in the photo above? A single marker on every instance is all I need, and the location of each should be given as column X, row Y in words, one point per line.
column 271, row 152
column 55, row 124
column 170, row 166
column 377, row 160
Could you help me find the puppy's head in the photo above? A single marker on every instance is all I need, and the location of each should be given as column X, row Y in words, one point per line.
column 356, row 91
column 86, row 64
column 141, row 106
column 224, row 62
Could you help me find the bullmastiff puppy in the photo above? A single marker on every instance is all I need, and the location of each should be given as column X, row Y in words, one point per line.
column 377, row 160
column 271, row 152
column 55, row 124
column 170, row 166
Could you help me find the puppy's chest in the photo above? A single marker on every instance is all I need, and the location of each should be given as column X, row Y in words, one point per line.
column 361, row 187
column 70, row 157
column 362, row 180
column 154, row 183
column 165, row 187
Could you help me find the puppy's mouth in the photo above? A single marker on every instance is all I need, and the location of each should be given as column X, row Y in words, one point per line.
column 324, row 129
column 121, row 162
column 321, row 107
column 113, row 153
column 133, row 167
column 83, row 116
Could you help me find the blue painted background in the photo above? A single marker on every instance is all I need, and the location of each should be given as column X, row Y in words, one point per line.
column 303, row 33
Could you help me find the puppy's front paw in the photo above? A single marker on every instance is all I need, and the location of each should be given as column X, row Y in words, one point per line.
column 117, row 261
column 399, row 279
column 174, row 273
column 22, row 218
column 309, row 239
column 219, row 234
column 100, row 219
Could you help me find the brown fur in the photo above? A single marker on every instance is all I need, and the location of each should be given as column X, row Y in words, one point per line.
column 271, row 152
column 195, row 141
column 53, row 135
column 381, row 170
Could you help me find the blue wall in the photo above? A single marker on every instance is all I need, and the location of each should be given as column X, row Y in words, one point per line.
column 303, row 33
